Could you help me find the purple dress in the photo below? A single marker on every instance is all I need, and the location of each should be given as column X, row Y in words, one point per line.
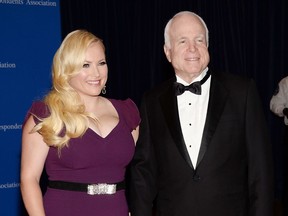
column 91, row 159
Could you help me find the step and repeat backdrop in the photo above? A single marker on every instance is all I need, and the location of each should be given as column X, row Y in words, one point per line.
column 30, row 34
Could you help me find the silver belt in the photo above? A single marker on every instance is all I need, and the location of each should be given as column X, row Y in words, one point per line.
column 103, row 188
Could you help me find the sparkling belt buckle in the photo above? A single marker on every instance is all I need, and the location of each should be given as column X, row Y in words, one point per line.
column 103, row 188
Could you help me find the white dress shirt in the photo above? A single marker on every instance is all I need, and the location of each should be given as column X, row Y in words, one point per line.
column 192, row 113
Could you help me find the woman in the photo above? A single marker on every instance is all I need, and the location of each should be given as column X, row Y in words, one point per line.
column 84, row 140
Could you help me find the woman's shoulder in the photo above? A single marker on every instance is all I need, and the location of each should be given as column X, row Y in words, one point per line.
column 129, row 110
column 128, row 104
column 38, row 110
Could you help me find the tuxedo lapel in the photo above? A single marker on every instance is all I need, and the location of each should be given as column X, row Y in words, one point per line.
column 217, row 100
column 168, row 102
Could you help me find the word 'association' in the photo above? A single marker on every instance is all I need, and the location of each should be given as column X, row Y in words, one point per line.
column 7, row 64
column 29, row 2
column 10, row 185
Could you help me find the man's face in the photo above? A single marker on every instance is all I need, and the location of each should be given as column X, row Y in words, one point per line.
column 188, row 50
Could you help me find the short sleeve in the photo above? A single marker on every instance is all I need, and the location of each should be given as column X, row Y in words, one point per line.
column 131, row 113
column 39, row 110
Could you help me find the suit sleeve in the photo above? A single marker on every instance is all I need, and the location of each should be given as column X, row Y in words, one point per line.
column 143, row 170
column 260, row 158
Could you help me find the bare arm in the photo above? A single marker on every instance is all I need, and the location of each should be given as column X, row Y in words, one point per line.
column 34, row 153
column 135, row 134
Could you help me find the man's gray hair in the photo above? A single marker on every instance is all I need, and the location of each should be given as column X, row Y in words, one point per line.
column 168, row 25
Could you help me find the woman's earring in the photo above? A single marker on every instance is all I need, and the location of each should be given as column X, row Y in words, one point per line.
column 103, row 91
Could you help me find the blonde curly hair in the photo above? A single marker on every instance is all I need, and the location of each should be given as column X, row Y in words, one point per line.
column 68, row 118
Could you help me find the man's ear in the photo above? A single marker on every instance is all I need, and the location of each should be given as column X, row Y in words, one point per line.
column 167, row 52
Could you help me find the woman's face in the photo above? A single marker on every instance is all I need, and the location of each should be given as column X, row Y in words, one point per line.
column 93, row 75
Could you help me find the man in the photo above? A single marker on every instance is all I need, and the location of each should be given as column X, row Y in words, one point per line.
column 279, row 101
column 279, row 106
column 205, row 153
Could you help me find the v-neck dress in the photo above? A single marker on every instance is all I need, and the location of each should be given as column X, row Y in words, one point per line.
column 91, row 159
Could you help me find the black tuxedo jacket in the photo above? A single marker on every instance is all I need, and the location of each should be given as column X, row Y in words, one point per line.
column 233, row 176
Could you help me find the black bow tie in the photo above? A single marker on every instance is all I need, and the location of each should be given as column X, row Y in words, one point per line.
column 194, row 87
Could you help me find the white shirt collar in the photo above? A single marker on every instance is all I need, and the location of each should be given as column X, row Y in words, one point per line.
column 200, row 77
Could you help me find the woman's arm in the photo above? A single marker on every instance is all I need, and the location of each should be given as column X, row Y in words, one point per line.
column 135, row 134
column 33, row 156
